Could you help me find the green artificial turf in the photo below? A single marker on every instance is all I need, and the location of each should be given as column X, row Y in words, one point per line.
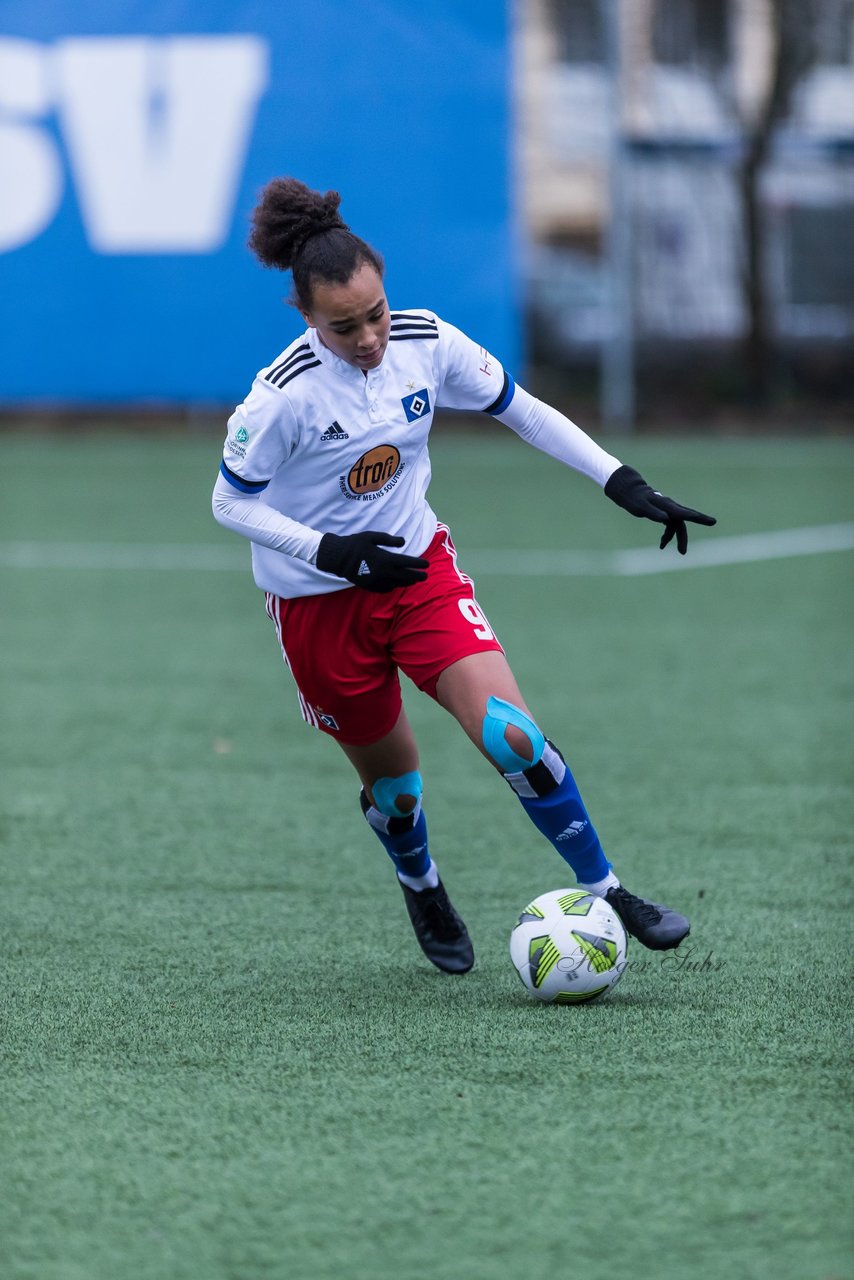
column 224, row 1057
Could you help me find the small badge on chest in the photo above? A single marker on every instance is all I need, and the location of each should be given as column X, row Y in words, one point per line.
column 417, row 405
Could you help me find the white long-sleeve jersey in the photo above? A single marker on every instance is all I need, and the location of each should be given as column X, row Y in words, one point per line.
column 319, row 447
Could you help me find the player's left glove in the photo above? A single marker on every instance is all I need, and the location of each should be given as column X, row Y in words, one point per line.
column 629, row 490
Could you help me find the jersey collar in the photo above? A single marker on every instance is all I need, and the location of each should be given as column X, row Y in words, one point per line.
column 333, row 362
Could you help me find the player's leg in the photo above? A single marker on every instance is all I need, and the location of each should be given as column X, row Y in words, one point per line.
column 445, row 644
column 391, row 802
column 481, row 692
column 351, row 693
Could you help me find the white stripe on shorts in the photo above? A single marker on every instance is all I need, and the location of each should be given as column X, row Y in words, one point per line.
column 448, row 544
column 306, row 709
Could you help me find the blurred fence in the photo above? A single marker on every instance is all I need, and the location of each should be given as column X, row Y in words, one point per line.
column 687, row 280
column 683, row 212
column 689, row 259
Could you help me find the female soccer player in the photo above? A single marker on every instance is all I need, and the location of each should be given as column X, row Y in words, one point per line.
column 362, row 580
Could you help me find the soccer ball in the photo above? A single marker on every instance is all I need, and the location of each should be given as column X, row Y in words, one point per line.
column 569, row 946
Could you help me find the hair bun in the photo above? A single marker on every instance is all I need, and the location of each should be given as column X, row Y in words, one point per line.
column 290, row 218
column 317, row 229
column 288, row 215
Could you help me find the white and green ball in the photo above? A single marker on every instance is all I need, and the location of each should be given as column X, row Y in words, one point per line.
column 569, row 946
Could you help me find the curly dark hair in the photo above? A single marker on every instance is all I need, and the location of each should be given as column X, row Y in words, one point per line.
column 295, row 228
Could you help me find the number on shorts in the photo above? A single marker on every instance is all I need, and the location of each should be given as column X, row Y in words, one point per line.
column 473, row 613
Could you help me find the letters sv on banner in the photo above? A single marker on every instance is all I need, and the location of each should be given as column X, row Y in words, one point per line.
column 134, row 113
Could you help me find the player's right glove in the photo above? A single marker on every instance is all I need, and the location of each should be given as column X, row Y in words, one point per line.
column 361, row 558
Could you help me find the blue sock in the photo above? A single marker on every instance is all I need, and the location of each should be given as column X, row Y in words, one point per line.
column 404, row 839
column 549, row 795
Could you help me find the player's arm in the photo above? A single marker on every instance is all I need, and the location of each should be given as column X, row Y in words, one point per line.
column 262, row 434
column 360, row 558
column 470, row 378
column 550, row 431
column 238, row 505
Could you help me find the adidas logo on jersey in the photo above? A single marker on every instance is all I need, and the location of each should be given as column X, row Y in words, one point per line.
column 574, row 829
column 334, row 432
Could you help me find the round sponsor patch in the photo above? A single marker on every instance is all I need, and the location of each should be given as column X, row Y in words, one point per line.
column 374, row 469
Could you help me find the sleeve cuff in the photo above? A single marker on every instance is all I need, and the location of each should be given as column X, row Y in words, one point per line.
column 245, row 486
column 502, row 400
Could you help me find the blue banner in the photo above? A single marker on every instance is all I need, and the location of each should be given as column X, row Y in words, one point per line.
column 134, row 139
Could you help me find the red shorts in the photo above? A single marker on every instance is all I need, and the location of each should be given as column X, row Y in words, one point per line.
column 344, row 649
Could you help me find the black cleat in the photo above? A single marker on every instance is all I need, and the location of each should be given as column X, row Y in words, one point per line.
column 654, row 926
column 441, row 933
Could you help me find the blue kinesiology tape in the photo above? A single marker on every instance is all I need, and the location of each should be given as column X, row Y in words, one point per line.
column 500, row 714
column 386, row 792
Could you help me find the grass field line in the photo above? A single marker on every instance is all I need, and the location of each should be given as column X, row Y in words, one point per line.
column 711, row 552
column 202, row 557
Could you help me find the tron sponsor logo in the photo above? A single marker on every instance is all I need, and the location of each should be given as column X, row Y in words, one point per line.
column 374, row 469
column 374, row 474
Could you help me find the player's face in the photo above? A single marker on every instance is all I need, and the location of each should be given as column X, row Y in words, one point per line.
column 352, row 319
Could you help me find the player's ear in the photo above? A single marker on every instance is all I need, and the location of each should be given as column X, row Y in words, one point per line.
column 306, row 315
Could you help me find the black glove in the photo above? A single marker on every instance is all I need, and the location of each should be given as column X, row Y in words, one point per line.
column 631, row 491
column 362, row 560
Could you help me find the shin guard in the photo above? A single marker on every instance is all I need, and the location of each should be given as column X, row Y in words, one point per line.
column 404, row 839
column 548, row 793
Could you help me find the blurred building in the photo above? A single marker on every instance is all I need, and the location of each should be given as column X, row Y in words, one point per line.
column 676, row 206
column 671, row 93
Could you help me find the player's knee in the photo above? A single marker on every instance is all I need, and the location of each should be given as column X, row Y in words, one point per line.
column 521, row 743
column 398, row 797
column 510, row 737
